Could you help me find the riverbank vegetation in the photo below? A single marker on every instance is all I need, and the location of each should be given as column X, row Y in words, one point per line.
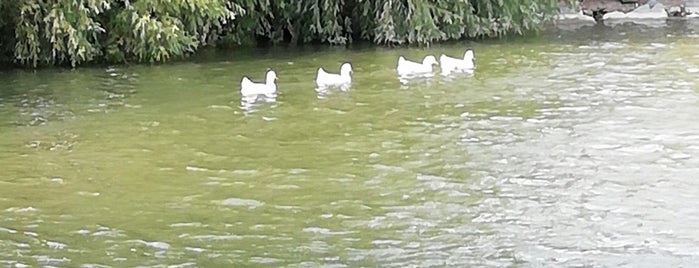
column 72, row 32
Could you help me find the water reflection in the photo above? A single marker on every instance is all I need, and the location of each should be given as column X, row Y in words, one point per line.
column 450, row 76
column 251, row 103
column 115, row 87
column 323, row 92
column 38, row 110
column 407, row 79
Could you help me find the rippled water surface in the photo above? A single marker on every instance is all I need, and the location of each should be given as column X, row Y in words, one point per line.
column 577, row 148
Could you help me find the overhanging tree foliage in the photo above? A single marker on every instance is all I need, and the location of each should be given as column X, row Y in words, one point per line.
column 61, row 32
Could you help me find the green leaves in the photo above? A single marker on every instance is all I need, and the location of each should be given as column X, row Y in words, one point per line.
column 73, row 32
column 61, row 32
column 57, row 32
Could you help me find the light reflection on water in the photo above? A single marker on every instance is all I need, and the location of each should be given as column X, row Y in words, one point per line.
column 564, row 151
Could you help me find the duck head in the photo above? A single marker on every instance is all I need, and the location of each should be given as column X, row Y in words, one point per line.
column 652, row 3
column 271, row 77
column 469, row 55
column 431, row 60
column 346, row 69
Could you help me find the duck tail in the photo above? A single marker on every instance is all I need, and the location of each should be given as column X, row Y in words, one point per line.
column 245, row 81
column 321, row 72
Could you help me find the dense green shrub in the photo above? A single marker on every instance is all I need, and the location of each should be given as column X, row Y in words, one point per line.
column 61, row 32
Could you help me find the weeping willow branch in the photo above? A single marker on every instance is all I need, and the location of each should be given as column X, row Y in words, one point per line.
column 73, row 32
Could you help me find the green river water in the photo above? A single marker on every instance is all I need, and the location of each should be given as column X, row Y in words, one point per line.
column 575, row 148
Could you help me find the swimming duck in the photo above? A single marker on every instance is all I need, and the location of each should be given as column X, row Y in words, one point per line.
column 406, row 67
column 324, row 79
column 248, row 87
column 448, row 64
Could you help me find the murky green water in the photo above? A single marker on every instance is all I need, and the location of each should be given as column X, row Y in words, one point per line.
column 577, row 148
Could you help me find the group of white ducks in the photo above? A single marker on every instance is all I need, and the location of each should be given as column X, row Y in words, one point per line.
column 405, row 69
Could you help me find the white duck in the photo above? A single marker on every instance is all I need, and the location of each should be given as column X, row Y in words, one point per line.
column 269, row 87
column 406, row 67
column 325, row 79
column 448, row 64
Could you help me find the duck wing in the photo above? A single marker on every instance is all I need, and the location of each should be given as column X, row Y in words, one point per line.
column 409, row 67
column 450, row 63
column 446, row 63
column 248, row 87
column 325, row 78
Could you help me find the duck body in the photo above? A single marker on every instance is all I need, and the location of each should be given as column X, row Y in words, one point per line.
column 449, row 64
column 406, row 67
column 325, row 79
column 269, row 87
